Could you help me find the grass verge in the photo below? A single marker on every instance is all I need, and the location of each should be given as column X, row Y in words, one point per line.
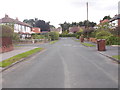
column 88, row 44
column 13, row 59
column 116, row 57
column 52, row 42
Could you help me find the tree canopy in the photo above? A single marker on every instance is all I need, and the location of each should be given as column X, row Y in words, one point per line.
column 107, row 17
column 65, row 25
column 45, row 26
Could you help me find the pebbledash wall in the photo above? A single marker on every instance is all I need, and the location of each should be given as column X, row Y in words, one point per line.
column 6, row 44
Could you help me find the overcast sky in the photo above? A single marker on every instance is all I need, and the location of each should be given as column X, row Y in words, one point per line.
column 58, row 11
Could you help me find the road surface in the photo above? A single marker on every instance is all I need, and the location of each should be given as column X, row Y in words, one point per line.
column 65, row 64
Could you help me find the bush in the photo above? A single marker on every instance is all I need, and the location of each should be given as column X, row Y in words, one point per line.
column 103, row 34
column 37, row 36
column 93, row 34
column 67, row 35
column 77, row 36
column 54, row 35
column 113, row 40
column 6, row 31
column 15, row 37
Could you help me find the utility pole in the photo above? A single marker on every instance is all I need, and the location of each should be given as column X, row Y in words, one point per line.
column 87, row 19
column 119, row 7
column 87, row 11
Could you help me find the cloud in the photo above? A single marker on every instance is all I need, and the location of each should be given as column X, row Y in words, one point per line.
column 58, row 11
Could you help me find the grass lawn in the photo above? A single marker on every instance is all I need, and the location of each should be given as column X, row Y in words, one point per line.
column 116, row 57
column 88, row 44
column 52, row 42
column 13, row 59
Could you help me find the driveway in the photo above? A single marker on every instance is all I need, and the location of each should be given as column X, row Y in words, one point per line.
column 65, row 64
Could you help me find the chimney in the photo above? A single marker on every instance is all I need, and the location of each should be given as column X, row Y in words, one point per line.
column 17, row 18
column 6, row 16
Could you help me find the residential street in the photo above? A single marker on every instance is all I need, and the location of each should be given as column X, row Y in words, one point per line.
column 65, row 64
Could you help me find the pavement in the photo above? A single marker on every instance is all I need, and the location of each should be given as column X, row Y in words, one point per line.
column 110, row 50
column 16, row 51
column 20, row 48
column 65, row 64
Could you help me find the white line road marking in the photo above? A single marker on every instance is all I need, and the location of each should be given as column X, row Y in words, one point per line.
column 66, row 72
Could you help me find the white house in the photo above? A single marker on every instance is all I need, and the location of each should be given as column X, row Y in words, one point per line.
column 22, row 28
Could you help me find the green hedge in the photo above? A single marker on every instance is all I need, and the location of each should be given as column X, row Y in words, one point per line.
column 113, row 40
column 67, row 35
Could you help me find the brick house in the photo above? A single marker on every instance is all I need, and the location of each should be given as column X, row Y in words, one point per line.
column 22, row 28
column 36, row 30
column 104, row 21
column 75, row 29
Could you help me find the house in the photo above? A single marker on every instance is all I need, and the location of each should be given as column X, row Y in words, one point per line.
column 104, row 21
column 74, row 29
column 36, row 30
column 116, row 20
column 22, row 28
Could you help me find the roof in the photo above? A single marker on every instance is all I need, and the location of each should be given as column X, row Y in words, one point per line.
column 74, row 29
column 7, row 19
column 116, row 17
column 104, row 21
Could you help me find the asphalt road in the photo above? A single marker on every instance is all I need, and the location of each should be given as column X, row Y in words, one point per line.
column 65, row 64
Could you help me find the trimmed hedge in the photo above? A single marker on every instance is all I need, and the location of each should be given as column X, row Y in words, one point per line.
column 67, row 35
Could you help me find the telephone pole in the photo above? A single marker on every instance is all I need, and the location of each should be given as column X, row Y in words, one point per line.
column 87, row 20
column 87, row 11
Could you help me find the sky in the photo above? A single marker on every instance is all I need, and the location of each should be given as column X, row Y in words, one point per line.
column 59, row 11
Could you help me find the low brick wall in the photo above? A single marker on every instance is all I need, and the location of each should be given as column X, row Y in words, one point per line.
column 94, row 40
column 6, row 49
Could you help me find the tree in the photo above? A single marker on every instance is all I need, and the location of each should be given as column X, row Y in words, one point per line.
column 65, row 26
column 30, row 21
column 38, row 23
column 107, row 17
column 43, row 25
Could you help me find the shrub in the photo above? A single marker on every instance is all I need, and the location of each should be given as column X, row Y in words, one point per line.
column 87, row 32
column 37, row 36
column 93, row 34
column 113, row 40
column 103, row 34
column 16, row 37
column 77, row 36
column 54, row 35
